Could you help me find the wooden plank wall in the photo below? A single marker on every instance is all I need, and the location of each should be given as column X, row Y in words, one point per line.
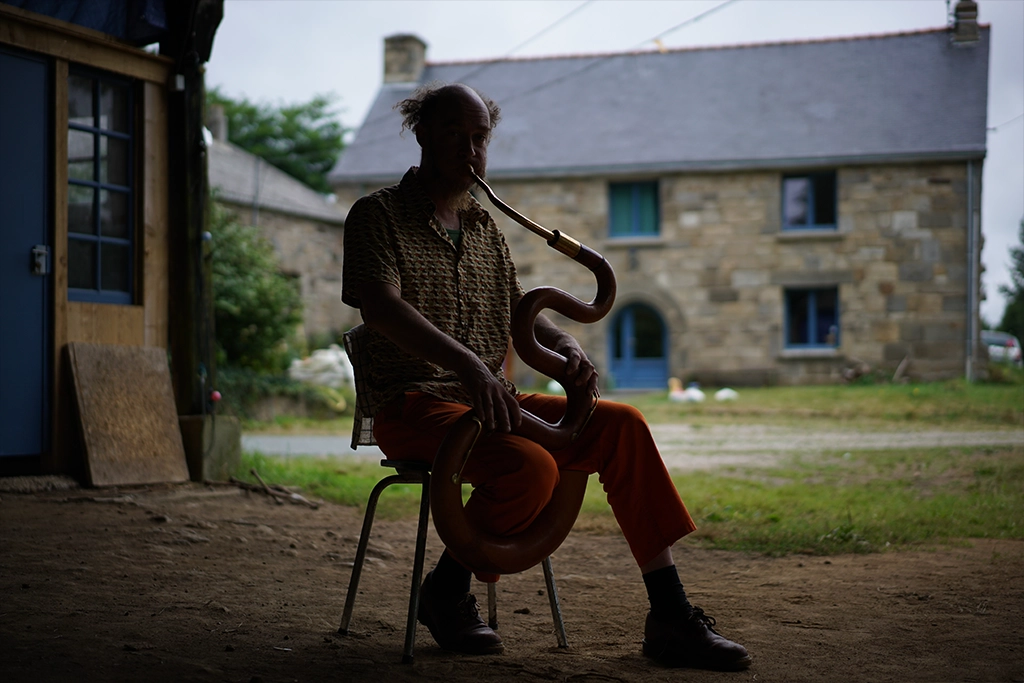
column 58, row 459
column 72, row 43
column 106, row 324
column 143, row 324
column 155, row 225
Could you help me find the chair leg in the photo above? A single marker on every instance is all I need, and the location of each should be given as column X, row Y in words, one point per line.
column 364, row 539
column 556, row 606
column 492, row 606
column 417, row 572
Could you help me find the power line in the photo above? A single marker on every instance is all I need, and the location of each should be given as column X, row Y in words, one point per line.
column 689, row 21
column 484, row 66
column 537, row 35
column 603, row 58
column 597, row 61
column 1008, row 121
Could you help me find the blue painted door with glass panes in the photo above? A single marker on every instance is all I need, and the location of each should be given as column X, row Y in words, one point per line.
column 24, row 254
column 638, row 349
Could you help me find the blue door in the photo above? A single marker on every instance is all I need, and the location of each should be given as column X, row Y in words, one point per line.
column 638, row 349
column 24, row 254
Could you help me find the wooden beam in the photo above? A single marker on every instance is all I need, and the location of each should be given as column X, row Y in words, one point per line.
column 58, row 459
column 191, row 307
column 39, row 33
column 154, row 233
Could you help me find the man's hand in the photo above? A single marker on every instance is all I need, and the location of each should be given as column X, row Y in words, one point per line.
column 494, row 406
column 578, row 368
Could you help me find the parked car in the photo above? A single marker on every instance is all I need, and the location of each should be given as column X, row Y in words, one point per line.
column 1003, row 347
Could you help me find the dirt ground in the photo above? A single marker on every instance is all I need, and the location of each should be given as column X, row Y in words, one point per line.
column 200, row 583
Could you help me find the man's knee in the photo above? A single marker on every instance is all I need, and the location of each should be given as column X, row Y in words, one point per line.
column 623, row 414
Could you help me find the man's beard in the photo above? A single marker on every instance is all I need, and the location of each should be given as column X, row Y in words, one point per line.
column 463, row 202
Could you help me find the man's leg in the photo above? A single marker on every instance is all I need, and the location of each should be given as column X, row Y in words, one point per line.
column 617, row 444
column 512, row 479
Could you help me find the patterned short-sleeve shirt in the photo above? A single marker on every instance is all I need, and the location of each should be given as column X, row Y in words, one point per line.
column 465, row 291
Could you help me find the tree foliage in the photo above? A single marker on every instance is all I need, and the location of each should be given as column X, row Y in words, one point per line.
column 1013, row 315
column 256, row 307
column 304, row 140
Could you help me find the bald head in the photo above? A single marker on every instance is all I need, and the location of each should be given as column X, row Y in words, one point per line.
column 428, row 100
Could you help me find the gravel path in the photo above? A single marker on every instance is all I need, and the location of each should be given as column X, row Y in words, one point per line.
column 685, row 447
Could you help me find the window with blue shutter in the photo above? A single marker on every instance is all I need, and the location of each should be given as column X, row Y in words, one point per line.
column 633, row 209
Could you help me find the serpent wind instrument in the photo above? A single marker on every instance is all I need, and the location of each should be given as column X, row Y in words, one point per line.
column 477, row 549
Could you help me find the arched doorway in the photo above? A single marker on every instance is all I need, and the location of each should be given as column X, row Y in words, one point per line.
column 638, row 349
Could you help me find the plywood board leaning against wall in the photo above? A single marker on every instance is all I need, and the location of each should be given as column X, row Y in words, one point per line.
column 127, row 413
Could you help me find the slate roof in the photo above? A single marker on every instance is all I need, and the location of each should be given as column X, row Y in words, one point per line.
column 239, row 177
column 906, row 96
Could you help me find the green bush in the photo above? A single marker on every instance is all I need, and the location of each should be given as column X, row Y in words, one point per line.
column 256, row 307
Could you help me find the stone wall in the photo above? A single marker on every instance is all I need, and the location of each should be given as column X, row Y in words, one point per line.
column 310, row 251
column 718, row 270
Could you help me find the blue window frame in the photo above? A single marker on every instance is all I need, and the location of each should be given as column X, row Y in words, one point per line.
column 101, row 178
column 809, row 201
column 812, row 318
column 633, row 209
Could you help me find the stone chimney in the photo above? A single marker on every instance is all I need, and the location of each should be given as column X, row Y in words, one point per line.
column 965, row 24
column 405, row 55
column 217, row 122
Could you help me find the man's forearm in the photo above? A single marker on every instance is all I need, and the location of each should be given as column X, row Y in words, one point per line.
column 385, row 311
column 404, row 326
column 549, row 335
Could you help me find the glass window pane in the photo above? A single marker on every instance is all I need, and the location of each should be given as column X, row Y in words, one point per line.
column 795, row 197
column 113, row 161
column 649, row 333
column 620, row 209
column 114, row 107
column 114, row 260
column 80, row 209
column 827, row 330
column 796, row 303
column 80, row 155
column 113, row 214
column 81, row 264
column 80, row 100
column 647, row 196
column 824, row 199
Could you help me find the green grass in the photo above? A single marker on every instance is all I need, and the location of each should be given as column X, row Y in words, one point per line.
column 953, row 405
column 863, row 501
column 343, row 481
column 289, row 424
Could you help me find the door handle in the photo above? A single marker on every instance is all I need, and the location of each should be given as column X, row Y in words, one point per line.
column 40, row 259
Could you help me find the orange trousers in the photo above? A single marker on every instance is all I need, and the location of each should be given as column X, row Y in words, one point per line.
column 513, row 477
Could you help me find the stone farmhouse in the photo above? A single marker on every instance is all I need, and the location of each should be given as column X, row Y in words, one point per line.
column 304, row 228
column 775, row 213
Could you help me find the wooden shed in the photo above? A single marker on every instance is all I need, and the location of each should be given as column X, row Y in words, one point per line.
column 102, row 194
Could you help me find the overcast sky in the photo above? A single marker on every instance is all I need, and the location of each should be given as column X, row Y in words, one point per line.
column 289, row 50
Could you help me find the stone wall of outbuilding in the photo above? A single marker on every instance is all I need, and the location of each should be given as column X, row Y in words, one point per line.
column 310, row 251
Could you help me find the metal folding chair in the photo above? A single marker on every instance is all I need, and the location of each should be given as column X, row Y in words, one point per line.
column 411, row 473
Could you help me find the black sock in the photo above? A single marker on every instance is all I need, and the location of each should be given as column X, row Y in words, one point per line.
column 665, row 591
column 450, row 579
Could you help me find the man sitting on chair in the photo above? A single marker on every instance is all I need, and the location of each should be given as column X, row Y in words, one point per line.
column 434, row 281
